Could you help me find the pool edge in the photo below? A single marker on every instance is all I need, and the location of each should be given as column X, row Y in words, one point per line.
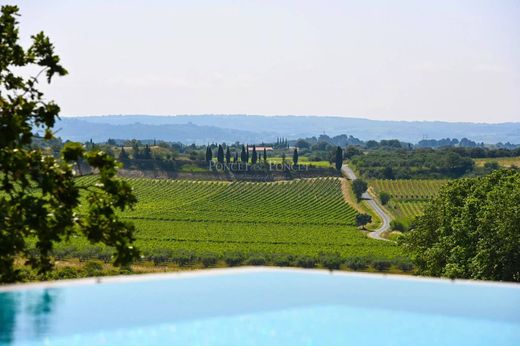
column 238, row 270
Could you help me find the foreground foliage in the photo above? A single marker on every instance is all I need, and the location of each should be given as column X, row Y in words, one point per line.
column 471, row 230
column 38, row 195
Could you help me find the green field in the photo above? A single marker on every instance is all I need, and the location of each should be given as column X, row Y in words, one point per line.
column 307, row 217
column 408, row 197
column 301, row 160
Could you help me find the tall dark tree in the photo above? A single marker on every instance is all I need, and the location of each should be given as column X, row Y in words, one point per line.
column 295, row 156
column 228, row 155
column 136, row 154
column 40, row 201
column 147, row 152
column 247, row 153
column 243, row 154
column 123, row 155
column 220, row 154
column 339, row 158
column 254, row 156
column 209, row 154
column 388, row 173
column 235, row 159
column 265, row 154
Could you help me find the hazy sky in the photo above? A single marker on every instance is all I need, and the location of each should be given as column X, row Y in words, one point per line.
column 410, row 60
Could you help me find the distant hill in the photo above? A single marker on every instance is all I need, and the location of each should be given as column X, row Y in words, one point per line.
column 257, row 128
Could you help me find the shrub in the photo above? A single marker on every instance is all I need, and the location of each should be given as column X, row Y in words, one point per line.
column 161, row 256
column 88, row 253
column 491, row 166
column 381, row 265
column 208, row 259
column 125, row 270
column 64, row 252
column 384, row 197
column 398, row 225
column 233, row 258
column 105, row 255
column 305, row 262
column 331, row 261
column 183, row 257
column 68, row 273
column 405, row 266
column 93, row 268
column 256, row 260
column 282, row 260
column 357, row 263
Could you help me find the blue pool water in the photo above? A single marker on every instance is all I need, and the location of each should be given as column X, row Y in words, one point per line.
column 262, row 307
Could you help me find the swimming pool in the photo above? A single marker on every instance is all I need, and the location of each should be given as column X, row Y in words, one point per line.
column 261, row 306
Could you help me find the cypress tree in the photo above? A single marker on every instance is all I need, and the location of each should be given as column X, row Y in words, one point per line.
column 235, row 159
column 209, row 154
column 265, row 154
column 147, row 153
column 228, row 155
column 254, row 157
column 220, row 154
column 123, row 155
column 339, row 158
column 247, row 153
column 295, row 156
column 243, row 155
column 135, row 150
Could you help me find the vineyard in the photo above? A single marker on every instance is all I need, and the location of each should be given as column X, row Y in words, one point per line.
column 307, row 217
column 408, row 197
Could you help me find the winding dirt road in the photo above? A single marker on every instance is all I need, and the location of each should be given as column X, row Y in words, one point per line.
column 349, row 174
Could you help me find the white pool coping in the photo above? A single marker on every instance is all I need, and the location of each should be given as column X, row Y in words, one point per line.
column 239, row 270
